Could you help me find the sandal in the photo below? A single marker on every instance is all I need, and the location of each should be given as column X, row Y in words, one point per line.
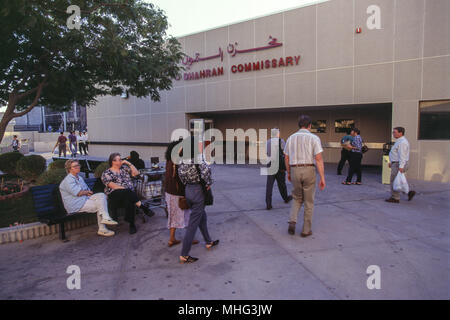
column 346, row 183
column 195, row 242
column 174, row 243
column 358, row 183
column 212, row 244
column 187, row 259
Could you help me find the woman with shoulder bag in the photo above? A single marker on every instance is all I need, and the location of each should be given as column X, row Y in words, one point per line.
column 197, row 180
column 356, row 156
column 178, row 211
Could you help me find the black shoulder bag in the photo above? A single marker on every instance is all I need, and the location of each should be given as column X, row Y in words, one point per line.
column 209, row 199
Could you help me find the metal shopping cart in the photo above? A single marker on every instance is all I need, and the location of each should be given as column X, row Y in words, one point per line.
column 150, row 188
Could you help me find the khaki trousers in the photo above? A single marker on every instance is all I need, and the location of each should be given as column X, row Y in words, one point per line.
column 304, row 181
column 394, row 171
column 97, row 203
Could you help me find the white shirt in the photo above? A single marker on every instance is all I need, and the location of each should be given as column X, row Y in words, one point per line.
column 302, row 147
column 80, row 139
column 400, row 152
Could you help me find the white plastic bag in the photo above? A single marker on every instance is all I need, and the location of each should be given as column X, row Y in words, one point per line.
column 400, row 183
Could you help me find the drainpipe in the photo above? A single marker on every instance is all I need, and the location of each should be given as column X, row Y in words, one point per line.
column 43, row 118
column 65, row 121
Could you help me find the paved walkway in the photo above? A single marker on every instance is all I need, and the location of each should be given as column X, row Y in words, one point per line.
column 256, row 259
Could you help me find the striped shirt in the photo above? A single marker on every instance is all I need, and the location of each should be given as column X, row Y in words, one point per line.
column 302, row 147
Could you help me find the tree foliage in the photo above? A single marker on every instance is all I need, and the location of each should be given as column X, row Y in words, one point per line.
column 120, row 45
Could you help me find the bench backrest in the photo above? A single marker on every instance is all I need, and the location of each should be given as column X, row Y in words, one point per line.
column 44, row 202
column 90, row 182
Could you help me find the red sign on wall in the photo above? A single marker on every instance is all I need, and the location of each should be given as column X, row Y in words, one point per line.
column 232, row 50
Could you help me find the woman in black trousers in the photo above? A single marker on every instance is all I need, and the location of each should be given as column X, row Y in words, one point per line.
column 355, row 159
column 120, row 190
column 193, row 175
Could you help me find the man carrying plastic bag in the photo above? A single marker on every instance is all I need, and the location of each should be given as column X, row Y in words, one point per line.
column 399, row 157
column 400, row 183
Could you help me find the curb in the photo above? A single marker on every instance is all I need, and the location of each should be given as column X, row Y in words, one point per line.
column 37, row 229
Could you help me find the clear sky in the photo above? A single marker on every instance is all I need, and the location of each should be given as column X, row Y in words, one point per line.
column 191, row 16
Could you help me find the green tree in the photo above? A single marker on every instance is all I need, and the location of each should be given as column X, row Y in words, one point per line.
column 44, row 60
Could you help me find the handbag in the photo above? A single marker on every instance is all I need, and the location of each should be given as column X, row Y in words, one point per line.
column 364, row 149
column 182, row 202
column 209, row 199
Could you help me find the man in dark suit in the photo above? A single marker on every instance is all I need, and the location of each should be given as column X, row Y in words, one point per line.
column 280, row 175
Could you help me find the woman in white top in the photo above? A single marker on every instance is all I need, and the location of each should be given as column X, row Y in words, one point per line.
column 86, row 140
column 81, row 144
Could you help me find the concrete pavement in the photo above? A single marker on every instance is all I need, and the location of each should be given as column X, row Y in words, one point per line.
column 256, row 259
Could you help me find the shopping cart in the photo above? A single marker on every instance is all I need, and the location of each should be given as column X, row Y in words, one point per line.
column 150, row 188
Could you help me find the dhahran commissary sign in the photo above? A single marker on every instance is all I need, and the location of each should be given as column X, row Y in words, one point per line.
column 233, row 50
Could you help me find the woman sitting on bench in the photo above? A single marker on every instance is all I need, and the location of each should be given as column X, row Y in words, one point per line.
column 120, row 189
column 77, row 197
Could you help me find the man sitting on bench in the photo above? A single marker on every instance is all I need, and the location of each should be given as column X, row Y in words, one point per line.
column 77, row 197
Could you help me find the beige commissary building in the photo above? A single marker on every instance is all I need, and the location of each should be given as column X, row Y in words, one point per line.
column 373, row 64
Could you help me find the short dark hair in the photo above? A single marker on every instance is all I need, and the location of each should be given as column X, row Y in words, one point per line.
column 356, row 130
column 14, row 136
column 400, row 130
column 304, row 121
column 61, row 133
column 111, row 158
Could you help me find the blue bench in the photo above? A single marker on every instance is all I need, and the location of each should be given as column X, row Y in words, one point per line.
column 49, row 207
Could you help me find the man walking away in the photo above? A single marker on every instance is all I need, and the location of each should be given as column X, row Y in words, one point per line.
column 280, row 176
column 302, row 149
column 61, row 143
column 73, row 144
column 399, row 159
column 346, row 142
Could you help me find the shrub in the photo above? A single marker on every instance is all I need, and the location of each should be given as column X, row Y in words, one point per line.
column 8, row 162
column 31, row 167
column 54, row 176
column 100, row 169
column 58, row 164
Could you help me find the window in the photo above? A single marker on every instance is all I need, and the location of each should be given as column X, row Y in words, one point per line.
column 342, row 125
column 319, row 126
column 434, row 120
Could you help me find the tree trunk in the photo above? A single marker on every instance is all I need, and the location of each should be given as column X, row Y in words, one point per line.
column 13, row 98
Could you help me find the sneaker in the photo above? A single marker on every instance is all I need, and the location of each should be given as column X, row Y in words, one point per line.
column 106, row 233
column 109, row 222
column 411, row 195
